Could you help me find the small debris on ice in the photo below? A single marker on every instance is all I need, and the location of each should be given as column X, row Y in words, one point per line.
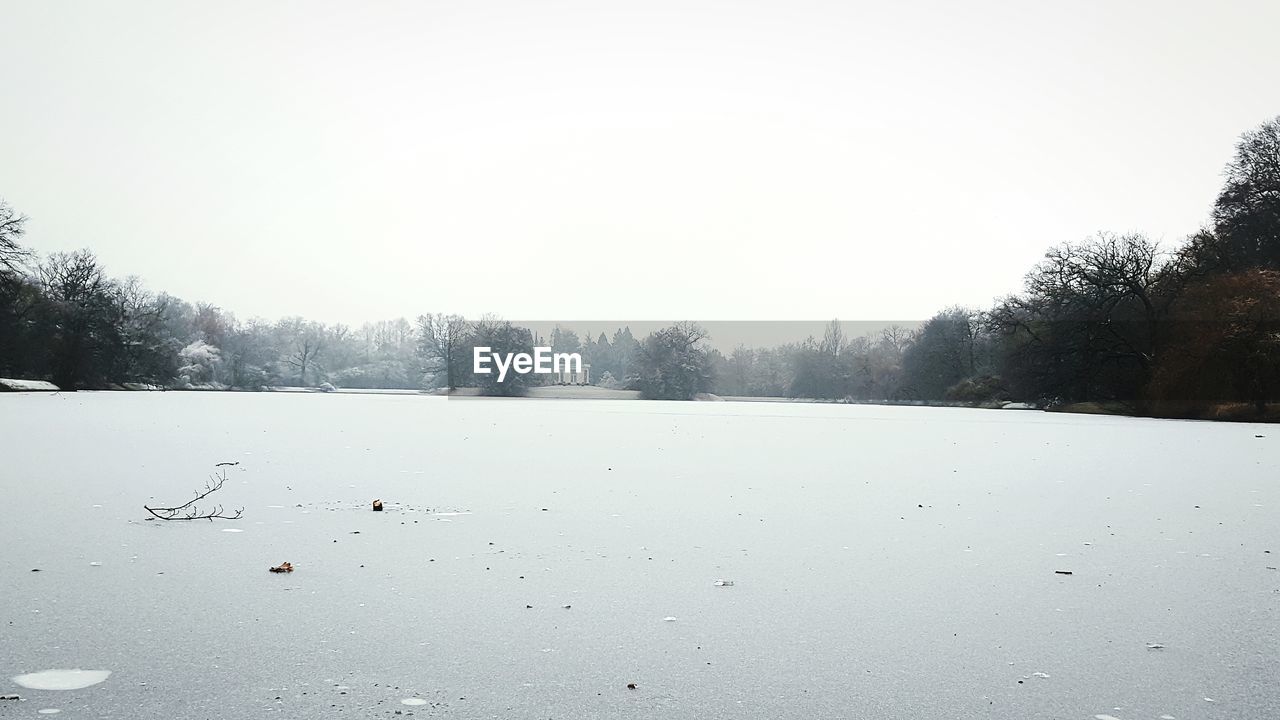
column 723, row 583
column 284, row 567
column 631, row 686
column 377, row 506
column 1155, row 646
column 9, row 697
column 1061, row 572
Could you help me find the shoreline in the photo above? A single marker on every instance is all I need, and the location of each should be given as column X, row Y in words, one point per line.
column 1222, row 412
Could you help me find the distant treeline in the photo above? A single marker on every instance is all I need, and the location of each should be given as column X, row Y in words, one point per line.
column 1112, row 321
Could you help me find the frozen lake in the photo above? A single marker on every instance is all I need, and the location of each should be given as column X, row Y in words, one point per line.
column 887, row 562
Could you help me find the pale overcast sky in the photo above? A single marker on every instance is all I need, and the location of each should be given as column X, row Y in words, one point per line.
column 708, row 160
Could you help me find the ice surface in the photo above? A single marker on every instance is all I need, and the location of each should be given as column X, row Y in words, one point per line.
column 62, row 679
column 889, row 562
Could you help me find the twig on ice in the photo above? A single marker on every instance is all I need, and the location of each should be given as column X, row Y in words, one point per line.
column 190, row 511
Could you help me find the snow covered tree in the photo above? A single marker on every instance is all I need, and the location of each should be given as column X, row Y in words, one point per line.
column 200, row 361
column 672, row 364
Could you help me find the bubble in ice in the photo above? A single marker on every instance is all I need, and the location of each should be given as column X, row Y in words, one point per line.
column 413, row 701
column 232, row 530
column 61, row 679
column 49, row 711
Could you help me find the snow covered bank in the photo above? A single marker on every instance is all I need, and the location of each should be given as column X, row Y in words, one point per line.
column 12, row 385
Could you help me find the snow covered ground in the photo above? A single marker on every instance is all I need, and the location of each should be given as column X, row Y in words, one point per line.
column 536, row 557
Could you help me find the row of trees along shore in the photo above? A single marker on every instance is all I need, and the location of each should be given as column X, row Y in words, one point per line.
column 1109, row 323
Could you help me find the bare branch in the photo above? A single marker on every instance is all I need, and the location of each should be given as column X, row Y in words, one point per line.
column 190, row 511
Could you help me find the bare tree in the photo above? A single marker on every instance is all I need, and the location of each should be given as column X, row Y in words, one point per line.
column 248, row 353
column 305, row 341
column 1108, row 282
column 442, row 345
column 1088, row 325
column 1247, row 213
column 12, row 228
column 895, row 338
column 79, row 301
column 146, row 352
column 214, row 324
column 686, row 334
column 941, row 354
column 833, row 340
